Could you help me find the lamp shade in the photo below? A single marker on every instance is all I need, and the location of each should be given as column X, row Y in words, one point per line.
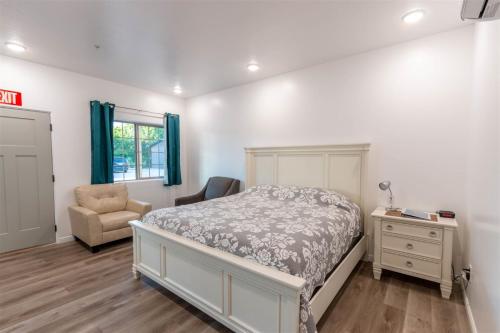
column 386, row 184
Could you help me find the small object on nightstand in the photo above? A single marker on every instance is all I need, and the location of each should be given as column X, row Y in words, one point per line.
column 399, row 213
column 412, row 246
column 417, row 214
column 446, row 214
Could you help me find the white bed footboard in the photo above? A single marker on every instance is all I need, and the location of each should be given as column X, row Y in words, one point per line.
column 245, row 296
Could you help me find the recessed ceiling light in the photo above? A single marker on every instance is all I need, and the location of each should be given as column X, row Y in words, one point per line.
column 177, row 90
column 253, row 66
column 413, row 16
column 15, row 46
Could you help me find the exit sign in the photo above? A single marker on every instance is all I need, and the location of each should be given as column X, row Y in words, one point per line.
column 11, row 97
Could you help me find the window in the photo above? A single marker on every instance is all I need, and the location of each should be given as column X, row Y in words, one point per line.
column 139, row 151
column 124, row 149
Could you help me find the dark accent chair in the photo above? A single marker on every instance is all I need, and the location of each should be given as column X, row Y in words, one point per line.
column 216, row 187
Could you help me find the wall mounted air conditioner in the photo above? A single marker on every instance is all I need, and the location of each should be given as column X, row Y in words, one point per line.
column 481, row 10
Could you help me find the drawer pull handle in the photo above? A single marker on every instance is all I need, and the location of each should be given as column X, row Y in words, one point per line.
column 432, row 234
column 409, row 246
column 389, row 227
column 409, row 264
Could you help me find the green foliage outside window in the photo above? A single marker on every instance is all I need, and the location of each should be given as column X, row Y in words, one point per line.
column 149, row 136
column 124, row 141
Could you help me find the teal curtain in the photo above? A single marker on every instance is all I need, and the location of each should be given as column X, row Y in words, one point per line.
column 101, row 132
column 172, row 150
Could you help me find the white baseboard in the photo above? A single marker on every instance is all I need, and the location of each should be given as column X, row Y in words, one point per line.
column 472, row 322
column 64, row 239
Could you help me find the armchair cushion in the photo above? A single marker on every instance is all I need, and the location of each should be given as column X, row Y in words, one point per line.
column 117, row 220
column 104, row 198
column 220, row 187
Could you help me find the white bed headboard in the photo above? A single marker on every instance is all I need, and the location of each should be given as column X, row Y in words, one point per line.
column 337, row 167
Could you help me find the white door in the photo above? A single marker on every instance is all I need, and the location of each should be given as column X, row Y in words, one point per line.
column 26, row 184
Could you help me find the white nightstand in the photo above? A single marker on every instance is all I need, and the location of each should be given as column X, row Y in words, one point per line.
column 415, row 247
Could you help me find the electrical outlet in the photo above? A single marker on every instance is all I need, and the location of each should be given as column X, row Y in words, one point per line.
column 466, row 273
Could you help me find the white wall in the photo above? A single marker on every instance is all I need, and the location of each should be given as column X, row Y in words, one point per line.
column 66, row 95
column 482, row 236
column 410, row 101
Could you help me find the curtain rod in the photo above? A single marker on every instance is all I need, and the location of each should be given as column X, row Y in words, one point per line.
column 153, row 114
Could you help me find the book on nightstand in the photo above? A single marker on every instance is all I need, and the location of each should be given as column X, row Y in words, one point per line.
column 417, row 214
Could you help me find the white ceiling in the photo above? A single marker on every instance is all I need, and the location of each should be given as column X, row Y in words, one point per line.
column 204, row 45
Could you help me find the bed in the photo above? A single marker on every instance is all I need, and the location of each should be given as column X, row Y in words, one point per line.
column 270, row 259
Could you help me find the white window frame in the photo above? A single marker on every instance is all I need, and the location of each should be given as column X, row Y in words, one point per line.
column 138, row 151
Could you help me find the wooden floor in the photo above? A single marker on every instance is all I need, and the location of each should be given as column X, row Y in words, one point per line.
column 65, row 288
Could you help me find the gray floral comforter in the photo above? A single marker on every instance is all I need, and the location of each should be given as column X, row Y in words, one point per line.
column 302, row 231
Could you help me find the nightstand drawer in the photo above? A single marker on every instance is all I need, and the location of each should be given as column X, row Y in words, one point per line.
column 418, row 266
column 412, row 230
column 398, row 243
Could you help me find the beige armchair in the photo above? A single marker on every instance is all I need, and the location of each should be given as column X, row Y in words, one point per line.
column 103, row 213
